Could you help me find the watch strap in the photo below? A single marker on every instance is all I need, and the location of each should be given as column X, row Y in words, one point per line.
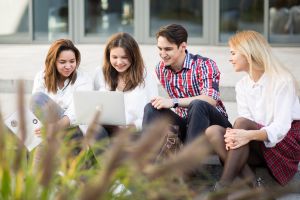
column 175, row 102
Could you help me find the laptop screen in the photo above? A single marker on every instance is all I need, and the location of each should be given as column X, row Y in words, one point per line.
column 110, row 103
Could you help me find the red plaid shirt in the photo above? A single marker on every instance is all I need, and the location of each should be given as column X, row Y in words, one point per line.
column 198, row 76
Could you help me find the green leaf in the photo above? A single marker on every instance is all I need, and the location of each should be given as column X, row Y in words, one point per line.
column 6, row 183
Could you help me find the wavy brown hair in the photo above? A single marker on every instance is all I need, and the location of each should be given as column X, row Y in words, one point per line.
column 51, row 74
column 134, row 75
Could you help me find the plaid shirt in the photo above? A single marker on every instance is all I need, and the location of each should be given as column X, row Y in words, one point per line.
column 198, row 76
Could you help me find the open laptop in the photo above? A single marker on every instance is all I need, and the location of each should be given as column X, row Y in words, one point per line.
column 32, row 122
column 110, row 103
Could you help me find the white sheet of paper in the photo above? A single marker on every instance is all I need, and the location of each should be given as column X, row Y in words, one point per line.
column 32, row 122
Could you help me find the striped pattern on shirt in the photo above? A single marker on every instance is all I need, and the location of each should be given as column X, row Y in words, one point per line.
column 198, row 76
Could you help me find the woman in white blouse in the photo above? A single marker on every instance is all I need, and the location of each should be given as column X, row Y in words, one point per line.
column 267, row 131
column 52, row 93
column 124, row 71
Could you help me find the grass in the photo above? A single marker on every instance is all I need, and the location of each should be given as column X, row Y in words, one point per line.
column 122, row 168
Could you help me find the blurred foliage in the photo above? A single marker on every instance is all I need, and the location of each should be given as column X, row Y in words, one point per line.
column 122, row 168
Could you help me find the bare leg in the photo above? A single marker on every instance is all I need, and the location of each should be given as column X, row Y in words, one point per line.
column 235, row 161
column 215, row 135
column 243, row 123
column 236, row 164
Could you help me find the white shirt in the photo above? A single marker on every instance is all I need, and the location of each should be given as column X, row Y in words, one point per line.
column 64, row 96
column 135, row 100
column 275, row 109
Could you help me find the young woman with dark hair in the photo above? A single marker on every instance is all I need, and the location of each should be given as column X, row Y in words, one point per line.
column 52, row 93
column 124, row 71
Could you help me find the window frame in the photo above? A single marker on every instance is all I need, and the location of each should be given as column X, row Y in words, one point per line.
column 211, row 26
column 147, row 39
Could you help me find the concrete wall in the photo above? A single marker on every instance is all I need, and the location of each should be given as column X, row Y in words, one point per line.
column 23, row 61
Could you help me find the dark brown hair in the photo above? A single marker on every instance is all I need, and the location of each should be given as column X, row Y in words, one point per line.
column 134, row 75
column 51, row 74
column 174, row 33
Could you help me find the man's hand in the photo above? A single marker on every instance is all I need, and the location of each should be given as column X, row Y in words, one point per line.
column 160, row 102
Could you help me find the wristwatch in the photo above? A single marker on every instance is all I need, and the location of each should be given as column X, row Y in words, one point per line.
column 175, row 102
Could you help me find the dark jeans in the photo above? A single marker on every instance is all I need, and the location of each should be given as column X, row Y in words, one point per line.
column 45, row 108
column 200, row 116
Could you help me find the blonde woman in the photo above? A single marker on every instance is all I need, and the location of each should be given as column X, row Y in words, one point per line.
column 267, row 131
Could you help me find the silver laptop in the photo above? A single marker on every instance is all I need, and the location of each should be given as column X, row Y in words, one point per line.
column 110, row 103
column 32, row 122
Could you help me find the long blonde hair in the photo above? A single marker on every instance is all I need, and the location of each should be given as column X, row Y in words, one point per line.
column 259, row 55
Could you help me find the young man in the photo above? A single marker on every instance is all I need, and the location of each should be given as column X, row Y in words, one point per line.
column 192, row 82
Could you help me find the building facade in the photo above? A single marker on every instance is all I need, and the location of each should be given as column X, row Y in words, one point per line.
column 209, row 22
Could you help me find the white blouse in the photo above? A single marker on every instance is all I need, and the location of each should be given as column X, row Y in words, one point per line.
column 64, row 96
column 135, row 100
column 275, row 109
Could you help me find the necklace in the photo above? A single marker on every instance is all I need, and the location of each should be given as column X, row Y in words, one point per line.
column 121, row 84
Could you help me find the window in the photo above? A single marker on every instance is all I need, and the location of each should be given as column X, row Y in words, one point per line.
column 238, row 15
column 14, row 20
column 284, row 21
column 90, row 21
column 51, row 19
column 188, row 13
column 105, row 17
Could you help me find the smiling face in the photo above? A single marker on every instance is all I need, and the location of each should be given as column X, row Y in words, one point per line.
column 66, row 63
column 119, row 59
column 170, row 53
column 238, row 61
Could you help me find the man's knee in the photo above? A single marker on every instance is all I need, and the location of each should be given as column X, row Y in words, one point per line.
column 148, row 109
column 198, row 105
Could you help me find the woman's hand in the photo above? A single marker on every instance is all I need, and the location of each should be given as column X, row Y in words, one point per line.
column 129, row 127
column 37, row 132
column 51, row 127
column 235, row 138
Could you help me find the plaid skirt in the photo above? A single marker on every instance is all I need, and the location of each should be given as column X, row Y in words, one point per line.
column 283, row 158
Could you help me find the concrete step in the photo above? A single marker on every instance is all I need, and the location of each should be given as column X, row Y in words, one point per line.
column 8, row 103
column 10, row 86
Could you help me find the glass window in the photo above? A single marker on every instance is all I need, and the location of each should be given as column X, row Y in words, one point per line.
column 51, row 19
column 105, row 17
column 14, row 18
column 188, row 13
column 240, row 15
column 284, row 21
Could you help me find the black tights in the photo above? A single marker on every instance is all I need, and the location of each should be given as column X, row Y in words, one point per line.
column 236, row 161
